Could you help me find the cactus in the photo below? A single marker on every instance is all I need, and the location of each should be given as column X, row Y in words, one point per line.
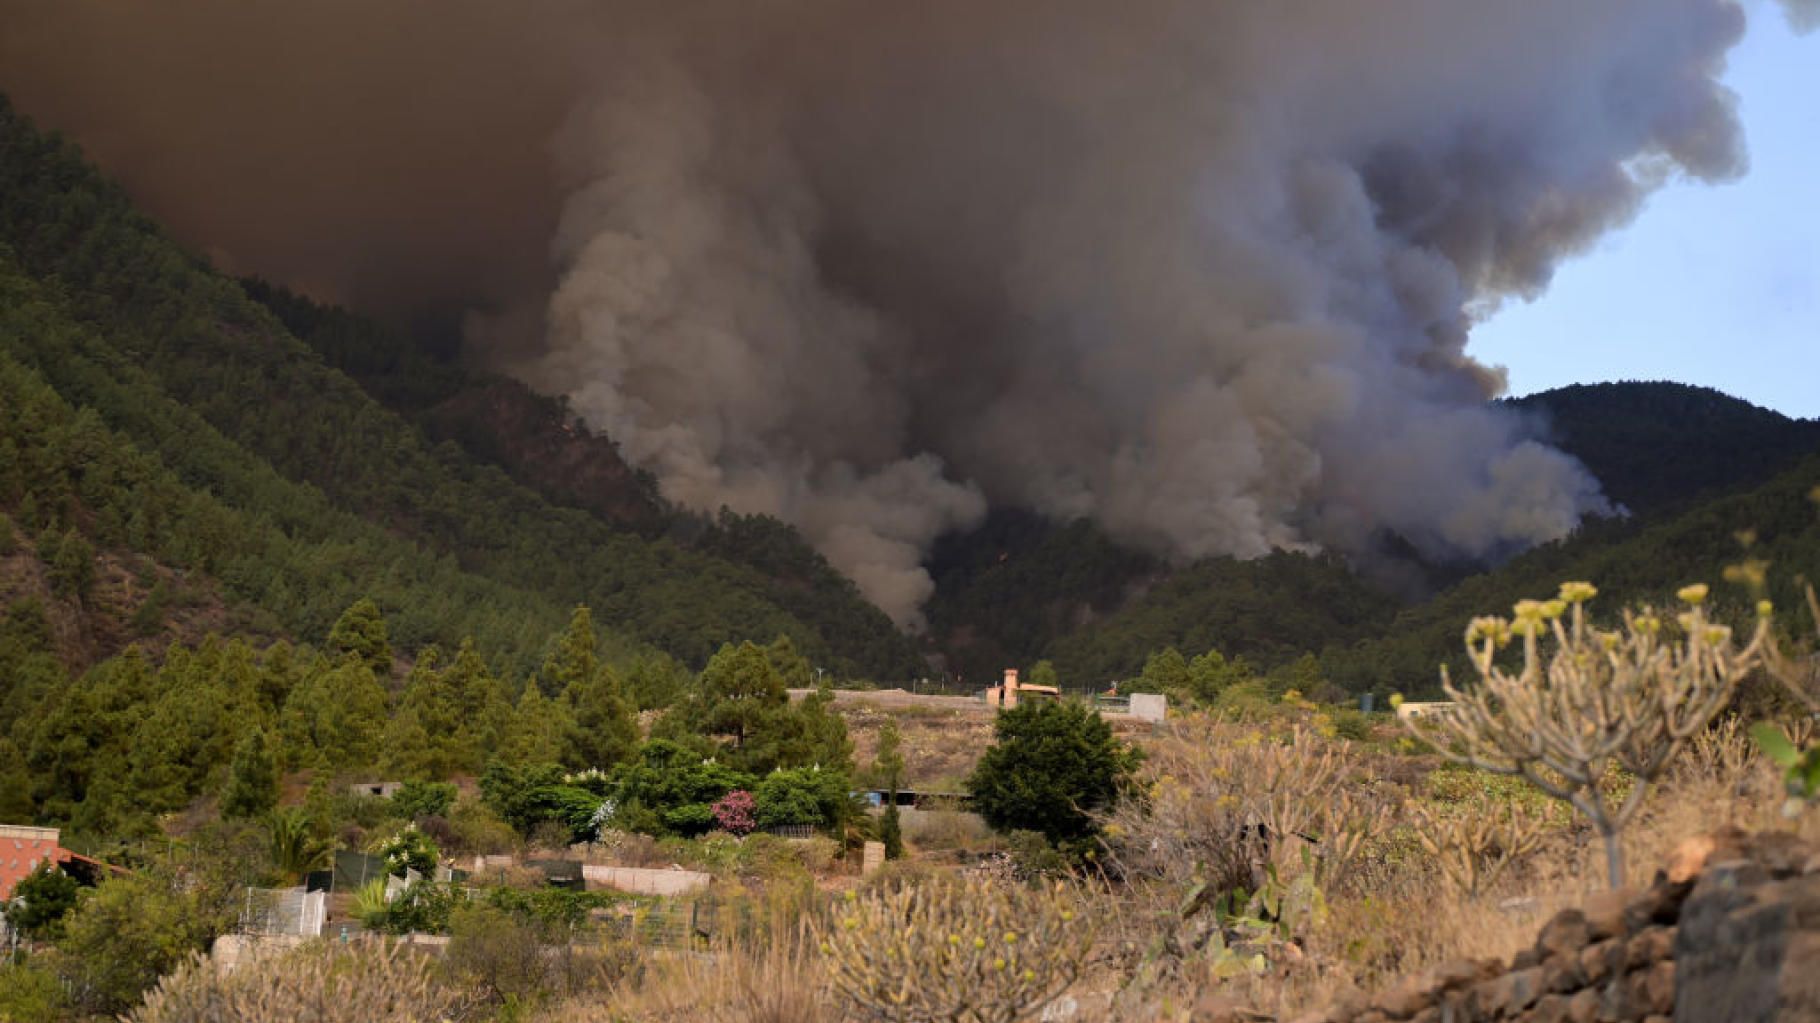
column 948, row 952
column 1592, row 700
column 1473, row 849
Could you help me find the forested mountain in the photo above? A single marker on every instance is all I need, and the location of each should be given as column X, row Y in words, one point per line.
column 236, row 450
column 233, row 456
column 1023, row 588
column 1641, row 560
column 1657, row 446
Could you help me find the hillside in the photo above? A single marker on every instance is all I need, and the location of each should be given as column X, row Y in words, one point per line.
column 1630, row 561
column 1022, row 588
column 1658, row 446
column 178, row 371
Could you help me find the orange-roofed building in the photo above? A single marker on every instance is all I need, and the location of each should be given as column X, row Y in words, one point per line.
column 23, row 848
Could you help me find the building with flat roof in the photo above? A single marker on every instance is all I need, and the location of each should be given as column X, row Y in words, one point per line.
column 22, row 849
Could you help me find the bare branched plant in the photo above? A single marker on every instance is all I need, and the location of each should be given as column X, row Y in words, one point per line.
column 1586, row 700
column 945, row 952
column 1800, row 674
column 1472, row 850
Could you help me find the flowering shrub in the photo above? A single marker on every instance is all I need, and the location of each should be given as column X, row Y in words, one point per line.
column 736, row 811
column 408, row 849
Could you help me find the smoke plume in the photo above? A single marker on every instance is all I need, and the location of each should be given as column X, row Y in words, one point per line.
column 1204, row 272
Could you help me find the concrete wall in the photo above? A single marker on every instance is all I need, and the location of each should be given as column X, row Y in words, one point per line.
column 644, row 880
column 1149, row 706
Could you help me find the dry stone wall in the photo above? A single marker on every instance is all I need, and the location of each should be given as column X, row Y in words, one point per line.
column 1729, row 932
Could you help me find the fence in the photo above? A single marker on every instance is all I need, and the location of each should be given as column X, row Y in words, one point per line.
column 283, row 911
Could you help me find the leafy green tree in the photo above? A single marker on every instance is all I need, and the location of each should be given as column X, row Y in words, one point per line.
column 813, row 735
column 1211, row 674
column 1052, row 764
column 416, row 800
column 123, row 936
column 252, row 788
column 518, row 792
column 30, row 991
column 185, row 742
column 1042, row 673
column 1166, row 671
column 361, row 631
column 40, row 901
column 78, row 740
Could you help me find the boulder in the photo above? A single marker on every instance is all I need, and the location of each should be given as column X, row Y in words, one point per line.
column 1748, row 948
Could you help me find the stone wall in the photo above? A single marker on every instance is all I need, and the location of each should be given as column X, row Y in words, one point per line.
column 1728, row 933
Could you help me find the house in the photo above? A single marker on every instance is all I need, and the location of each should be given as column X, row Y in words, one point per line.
column 1006, row 694
column 1407, row 711
column 22, row 848
column 375, row 789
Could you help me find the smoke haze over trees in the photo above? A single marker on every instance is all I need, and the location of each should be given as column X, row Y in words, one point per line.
column 1203, row 273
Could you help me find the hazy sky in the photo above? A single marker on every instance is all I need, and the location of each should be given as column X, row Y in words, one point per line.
column 1715, row 286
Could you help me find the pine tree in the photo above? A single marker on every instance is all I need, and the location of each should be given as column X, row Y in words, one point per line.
column 891, row 830
column 361, row 631
column 72, row 566
column 888, row 768
column 741, row 692
column 574, row 661
column 15, row 785
column 606, row 733
column 252, row 787
column 540, row 730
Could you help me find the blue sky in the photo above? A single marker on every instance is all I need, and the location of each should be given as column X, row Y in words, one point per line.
column 1711, row 285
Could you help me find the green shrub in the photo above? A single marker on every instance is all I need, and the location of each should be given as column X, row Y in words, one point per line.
column 123, row 936
column 31, row 993
column 803, row 795
column 418, row 799
column 1053, row 765
column 408, row 849
column 1035, row 856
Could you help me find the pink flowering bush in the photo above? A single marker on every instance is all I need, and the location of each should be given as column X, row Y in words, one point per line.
column 734, row 813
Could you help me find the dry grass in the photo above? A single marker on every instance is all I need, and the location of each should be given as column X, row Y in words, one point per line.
column 780, row 981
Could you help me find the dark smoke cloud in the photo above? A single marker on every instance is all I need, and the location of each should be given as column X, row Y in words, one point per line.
column 1202, row 271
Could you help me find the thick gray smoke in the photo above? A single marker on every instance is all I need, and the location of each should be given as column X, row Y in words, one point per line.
column 1201, row 271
